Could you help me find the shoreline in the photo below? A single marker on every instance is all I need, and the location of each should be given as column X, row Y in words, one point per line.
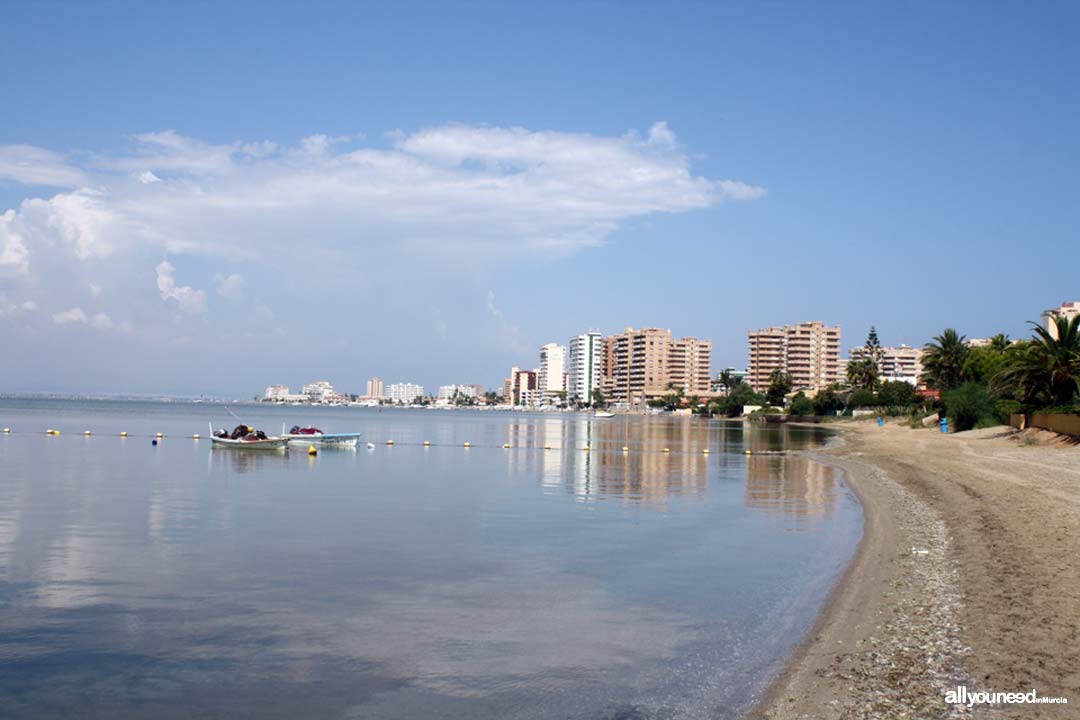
column 915, row 612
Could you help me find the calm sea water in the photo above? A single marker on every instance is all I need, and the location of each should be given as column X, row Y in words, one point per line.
column 177, row 581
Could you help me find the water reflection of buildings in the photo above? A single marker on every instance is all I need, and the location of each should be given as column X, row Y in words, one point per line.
column 790, row 485
column 643, row 473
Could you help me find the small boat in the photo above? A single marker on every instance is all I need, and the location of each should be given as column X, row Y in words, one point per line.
column 249, row 439
column 314, row 436
column 277, row 444
column 599, row 414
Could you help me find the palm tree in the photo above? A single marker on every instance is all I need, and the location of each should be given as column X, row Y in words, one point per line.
column 727, row 380
column 863, row 373
column 1046, row 371
column 1000, row 342
column 943, row 360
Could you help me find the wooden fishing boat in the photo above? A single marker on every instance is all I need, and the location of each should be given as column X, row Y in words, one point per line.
column 271, row 443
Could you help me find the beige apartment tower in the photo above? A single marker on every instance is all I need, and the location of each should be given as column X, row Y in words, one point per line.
column 638, row 365
column 809, row 352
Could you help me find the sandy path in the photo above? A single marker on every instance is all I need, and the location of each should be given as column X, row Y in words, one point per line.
column 990, row 596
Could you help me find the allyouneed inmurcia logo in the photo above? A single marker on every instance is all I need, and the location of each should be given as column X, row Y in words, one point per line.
column 962, row 696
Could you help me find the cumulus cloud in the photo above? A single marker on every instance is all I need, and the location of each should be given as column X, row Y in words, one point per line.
column 187, row 298
column 16, row 308
column 75, row 315
column 230, row 286
column 98, row 321
column 326, row 220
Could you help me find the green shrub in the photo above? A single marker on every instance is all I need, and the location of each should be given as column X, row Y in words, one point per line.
column 969, row 406
column 801, row 405
column 862, row 398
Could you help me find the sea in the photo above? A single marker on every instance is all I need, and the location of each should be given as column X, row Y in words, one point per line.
column 664, row 572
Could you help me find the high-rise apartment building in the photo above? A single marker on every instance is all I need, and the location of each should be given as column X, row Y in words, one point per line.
column 276, row 393
column 895, row 363
column 809, row 352
column 583, row 371
column 552, row 375
column 375, row 389
column 640, row 364
column 317, row 391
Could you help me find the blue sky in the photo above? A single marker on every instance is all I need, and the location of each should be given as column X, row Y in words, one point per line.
column 198, row 198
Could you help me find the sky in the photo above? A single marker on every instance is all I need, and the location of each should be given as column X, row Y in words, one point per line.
column 210, row 198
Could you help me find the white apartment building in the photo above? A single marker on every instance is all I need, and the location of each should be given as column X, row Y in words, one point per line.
column 1066, row 310
column 448, row 392
column 584, row 366
column 404, row 393
column 276, row 393
column 903, row 363
column 375, row 389
column 552, row 374
column 317, row 391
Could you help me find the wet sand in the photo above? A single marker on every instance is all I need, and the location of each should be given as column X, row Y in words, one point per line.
column 968, row 573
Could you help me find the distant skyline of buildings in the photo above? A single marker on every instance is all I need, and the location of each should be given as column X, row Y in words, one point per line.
column 638, row 365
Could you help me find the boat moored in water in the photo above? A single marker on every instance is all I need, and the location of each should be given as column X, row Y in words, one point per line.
column 244, row 437
column 314, row 436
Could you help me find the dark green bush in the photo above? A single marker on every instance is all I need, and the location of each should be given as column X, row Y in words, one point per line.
column 801, row 405
column 969, row 406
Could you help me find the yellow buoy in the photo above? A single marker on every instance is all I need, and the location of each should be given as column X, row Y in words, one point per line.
column 123, row 433
column 586, row 448
column 748, row 452
column 667, row 450
column 468, row 444
column 506, row 446
column 7, row 430
column 705, row 450
column 195, row 436
column 161, row 435
column 50, row 431
column 389, row 442
column 311, row 450
column 86, row 432
column 427, row 443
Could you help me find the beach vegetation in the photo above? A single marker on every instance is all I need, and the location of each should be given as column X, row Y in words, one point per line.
column 970, row 406
column 863, row 373
column 828, row 401
column 801, row 405
column 1044, row 371
column 779, row 386
column 943, row 360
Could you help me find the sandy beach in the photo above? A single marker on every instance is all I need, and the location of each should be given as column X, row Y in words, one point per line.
column 968, row 574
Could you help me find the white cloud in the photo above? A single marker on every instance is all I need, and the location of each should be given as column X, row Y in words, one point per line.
column 230, row 286
column 327, row 221
column 36, row 166
column 16, row 308
column 74, row 316
column 188, row 299
column 98, row 321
